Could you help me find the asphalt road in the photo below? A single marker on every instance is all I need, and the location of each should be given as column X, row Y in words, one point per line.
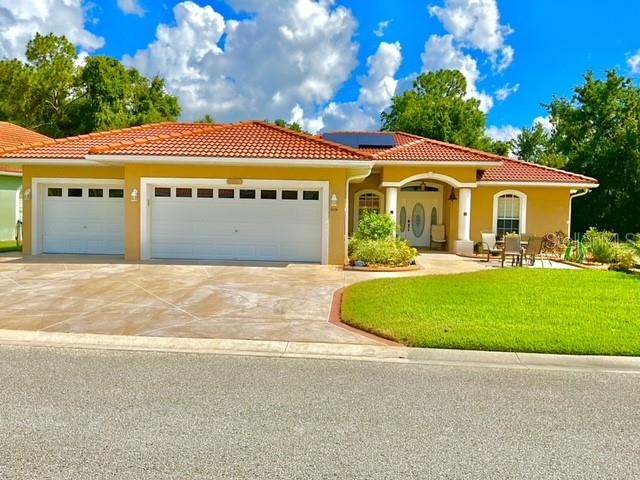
column 117, row 415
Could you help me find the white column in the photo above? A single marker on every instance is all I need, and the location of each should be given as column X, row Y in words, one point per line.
column 464, row 245
column 391, row 197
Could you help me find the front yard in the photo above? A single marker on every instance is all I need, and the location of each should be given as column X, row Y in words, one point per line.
column 525, row 310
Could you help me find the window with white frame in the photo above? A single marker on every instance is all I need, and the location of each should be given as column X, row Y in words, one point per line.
column 509, row 210
column 367, row 200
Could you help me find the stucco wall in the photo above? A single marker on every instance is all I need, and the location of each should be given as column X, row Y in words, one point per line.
column 547, row 209
column 9, row 186
column 132, row 174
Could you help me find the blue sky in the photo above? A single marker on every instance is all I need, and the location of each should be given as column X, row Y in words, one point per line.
column 255, row 58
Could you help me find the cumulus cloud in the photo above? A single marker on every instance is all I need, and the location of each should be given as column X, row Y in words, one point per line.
column 545, row 122
column 21, row 19
column 287, row 53
column 504, row 133
column 441, row 53
column 382, row 26
column 506, row 91
column 476, row 24
column 131, row 7
column 377, row 88
column 634, row 63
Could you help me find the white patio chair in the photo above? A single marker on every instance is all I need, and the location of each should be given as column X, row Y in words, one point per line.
column 439, row 236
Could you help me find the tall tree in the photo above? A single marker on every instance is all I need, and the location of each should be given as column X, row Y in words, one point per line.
column 535, row 145
column 598, row 130
column 438, row 107
column 51, row 93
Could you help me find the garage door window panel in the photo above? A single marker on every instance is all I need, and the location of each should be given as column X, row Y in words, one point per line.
column 268, row 194
column 116, row 193
column 74, row 192
column 248, row 194
column 162, row 192
column 54, row 192
column 205, row 193
column 226, row 193
column 184, row 192
column 289, row 195
column 310, row 195
column 95, row 193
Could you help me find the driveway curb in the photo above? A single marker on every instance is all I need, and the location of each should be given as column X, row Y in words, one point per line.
column 331, row 351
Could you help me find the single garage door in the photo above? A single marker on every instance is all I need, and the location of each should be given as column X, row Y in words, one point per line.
column 83, row 219
column 236, row 223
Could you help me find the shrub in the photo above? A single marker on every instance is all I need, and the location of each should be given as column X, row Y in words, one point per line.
column 600, row 245
column 634, row 244
column 625, row 259
column 375, row 226
column 394, row 252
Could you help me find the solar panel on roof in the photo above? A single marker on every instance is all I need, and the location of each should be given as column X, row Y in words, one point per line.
column 361, row 140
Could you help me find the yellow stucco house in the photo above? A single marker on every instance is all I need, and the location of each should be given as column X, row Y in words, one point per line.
column 255, row 191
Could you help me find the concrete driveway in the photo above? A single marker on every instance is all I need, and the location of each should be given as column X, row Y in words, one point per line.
column 105, row 295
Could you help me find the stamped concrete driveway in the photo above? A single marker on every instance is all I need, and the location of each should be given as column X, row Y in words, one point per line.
column 104, row 295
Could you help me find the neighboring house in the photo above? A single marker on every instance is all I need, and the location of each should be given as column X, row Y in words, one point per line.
column 12, row 136
column 255, row 191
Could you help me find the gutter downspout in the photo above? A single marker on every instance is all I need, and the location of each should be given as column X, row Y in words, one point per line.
column 346, row 209
column 571, row 197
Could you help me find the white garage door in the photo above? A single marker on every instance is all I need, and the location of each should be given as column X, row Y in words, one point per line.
column 236, row 223
column 83, row 219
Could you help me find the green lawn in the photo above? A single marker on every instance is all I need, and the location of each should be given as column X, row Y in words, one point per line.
column 525, row 310
column 8, row 246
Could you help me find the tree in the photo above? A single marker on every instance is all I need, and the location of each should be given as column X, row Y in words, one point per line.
column 295, row 126
column 52, row 94
column 598, row 131
column 206, row 119
column 437, row 107
column 534, row 144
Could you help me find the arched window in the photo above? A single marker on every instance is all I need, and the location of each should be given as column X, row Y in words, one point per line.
column 366, row 200
column 509, row 212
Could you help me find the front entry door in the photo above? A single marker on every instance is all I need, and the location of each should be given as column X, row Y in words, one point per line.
column 417, row 212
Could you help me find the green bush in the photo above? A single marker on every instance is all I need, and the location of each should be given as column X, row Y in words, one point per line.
column 625, row 259
column 375, row 226
column 634, row 244
column 393, row 252
column 600, row 245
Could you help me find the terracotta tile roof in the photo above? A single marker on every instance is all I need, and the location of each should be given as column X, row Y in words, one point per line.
column 78, row 147
column 520, row 171
column 252, row 139
column 425, row 149
column 14, row 136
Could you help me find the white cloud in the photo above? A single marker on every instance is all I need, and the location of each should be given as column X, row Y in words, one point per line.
column 476, row 24
column 503, row 133
column 441, row 53
column 21, row 19
column 287, row 53
column 506, row 91
column 382, row 26
column 131, row 7
column 377, row 88
column 545, row 122
column 634, row 63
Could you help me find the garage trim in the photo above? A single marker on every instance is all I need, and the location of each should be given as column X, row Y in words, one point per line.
column 37, row 199
column 147, row 183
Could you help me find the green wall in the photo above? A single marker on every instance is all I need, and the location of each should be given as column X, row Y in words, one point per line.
column 8, row 188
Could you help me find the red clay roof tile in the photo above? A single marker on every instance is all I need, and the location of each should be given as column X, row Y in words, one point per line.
column 520, row 171
column 12, row 136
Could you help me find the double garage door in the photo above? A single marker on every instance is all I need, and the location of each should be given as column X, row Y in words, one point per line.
column 236, row 223
column 188, row 222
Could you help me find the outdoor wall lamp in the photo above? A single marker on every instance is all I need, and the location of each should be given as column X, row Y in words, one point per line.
column 334, row 202
column 134, row 195
column 26, row 195
column 452, row 196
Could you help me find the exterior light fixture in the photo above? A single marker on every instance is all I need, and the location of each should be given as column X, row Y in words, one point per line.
column 134, row 195
column 452, row 195
column 26, row 195
column 334, row 202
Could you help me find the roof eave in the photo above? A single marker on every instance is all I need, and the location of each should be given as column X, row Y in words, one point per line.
column 506, row 183
column 107, row 159
column 441, row 163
